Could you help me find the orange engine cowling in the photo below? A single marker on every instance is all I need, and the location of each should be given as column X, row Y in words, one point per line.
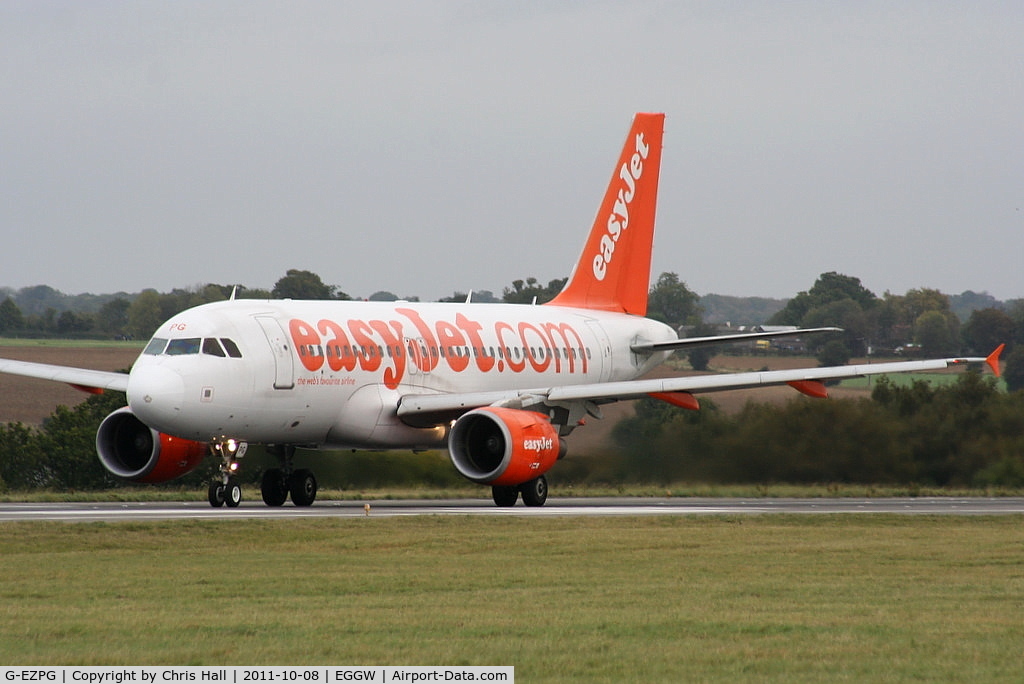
column 503, row 447
column 131, row 450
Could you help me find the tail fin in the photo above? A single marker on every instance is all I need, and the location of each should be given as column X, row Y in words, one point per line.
column 614, row 271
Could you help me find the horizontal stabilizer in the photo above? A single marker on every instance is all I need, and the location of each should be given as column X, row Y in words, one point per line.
column 686, row 342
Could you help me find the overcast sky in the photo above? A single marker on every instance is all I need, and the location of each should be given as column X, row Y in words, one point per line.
column 428, row 147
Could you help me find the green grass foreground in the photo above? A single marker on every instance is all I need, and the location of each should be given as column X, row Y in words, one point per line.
column 764, row 598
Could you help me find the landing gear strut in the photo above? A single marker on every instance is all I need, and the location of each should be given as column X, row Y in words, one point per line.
column 225, row 489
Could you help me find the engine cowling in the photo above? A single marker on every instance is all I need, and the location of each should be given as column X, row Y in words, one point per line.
column 503, row 447
column 131, row 450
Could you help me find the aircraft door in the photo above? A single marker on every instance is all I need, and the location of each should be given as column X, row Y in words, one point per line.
column 284, row 362
column 418, row 360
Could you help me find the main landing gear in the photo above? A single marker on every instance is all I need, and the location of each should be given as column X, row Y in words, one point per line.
column 535, row 493
column 277, row 483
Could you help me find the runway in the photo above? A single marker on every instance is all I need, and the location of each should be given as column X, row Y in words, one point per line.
column 200, row 510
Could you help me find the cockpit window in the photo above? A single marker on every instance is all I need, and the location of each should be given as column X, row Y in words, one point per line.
column 188, row 345
column 231, row 348
column 193, row 345
column 212, row 347
column 155, row 346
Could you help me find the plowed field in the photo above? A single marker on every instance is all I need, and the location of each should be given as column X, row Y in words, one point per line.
column 31, row 401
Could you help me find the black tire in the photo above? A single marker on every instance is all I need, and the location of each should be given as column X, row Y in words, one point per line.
column 232, row 494
column 274, row 488
column 216, row 494
column 302, row 485
column 505, row 497
column 535, row 492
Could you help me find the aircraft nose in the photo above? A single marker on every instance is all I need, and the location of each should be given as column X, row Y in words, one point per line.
column 155, row 394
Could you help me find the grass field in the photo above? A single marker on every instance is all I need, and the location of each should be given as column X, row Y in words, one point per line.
column 773, row 598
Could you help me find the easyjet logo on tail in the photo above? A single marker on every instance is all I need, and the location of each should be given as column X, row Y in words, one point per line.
column 618, row 220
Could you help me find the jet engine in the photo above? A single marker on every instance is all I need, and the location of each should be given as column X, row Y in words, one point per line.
column 504, row 447
column 133, row 451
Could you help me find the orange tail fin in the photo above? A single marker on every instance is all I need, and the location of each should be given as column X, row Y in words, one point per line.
column 614, row 271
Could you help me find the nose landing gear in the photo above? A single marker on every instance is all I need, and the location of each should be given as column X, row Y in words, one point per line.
column 225, row 489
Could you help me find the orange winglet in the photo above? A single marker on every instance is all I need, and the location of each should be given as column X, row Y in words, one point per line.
column 993, row 359
column 681, row 399
column 87, row 389
column 812, row 388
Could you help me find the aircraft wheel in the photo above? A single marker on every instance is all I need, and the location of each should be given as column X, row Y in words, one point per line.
column 535, row 492
column 505, row 497
column 216, row 494
column 274, row 488
column 303, row 488
column 232, row 494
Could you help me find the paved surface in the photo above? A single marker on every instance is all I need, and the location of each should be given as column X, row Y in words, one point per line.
column 193, row 510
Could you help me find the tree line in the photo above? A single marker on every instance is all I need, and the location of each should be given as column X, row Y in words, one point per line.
column 966, row 434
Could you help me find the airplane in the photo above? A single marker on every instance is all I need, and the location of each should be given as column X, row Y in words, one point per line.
column 499, row 385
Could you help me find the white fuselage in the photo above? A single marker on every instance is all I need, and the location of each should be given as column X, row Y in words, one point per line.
column 326, row 373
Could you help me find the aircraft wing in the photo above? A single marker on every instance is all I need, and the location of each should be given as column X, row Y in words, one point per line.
column 422, row 407
column 732, row 381
column 80, row 378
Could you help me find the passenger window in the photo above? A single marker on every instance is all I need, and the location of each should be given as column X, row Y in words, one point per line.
column 231, row 347
column 188, row 345
column 212, row 347
column 155, row 346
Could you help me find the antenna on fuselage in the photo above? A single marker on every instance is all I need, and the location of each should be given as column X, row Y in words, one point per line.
column 234, row 289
